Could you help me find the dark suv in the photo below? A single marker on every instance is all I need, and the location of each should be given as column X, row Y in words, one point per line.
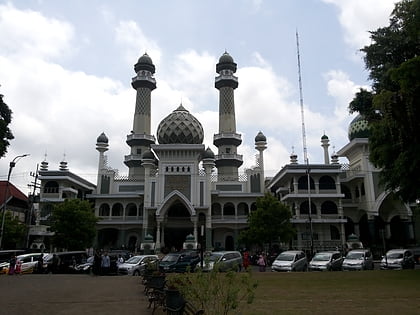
column 179, row 262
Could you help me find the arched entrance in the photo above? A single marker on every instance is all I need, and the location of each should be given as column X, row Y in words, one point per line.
column 178, row 225
column 229, row 243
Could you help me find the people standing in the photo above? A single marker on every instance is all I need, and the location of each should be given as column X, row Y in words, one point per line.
column 262, row 262
column 12, row 264
column 97, row 261
column 18, row 267
column 246, row 260
column 105, row 264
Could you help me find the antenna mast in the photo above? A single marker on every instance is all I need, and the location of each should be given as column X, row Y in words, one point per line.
column 305, row 151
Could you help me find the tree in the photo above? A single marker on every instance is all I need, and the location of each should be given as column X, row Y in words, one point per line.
column 14, row 231
column 392, row 107
column 270, row 222
column 74, row 224
column 5, row 133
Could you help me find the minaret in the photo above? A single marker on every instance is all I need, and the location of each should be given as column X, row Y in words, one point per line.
column 325, row 144
column 227, row 140
column 101, row 147
column 140, row 138
column 261, row 145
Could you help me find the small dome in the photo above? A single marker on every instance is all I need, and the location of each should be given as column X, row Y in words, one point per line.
column 208, row 154
column 324, row 137
column 260, row 137
column 144, row 63
column 148, row 155
column 145, row 59
column 102, row 138
column 226, row 58
column 180, row 127
column 358, row 128
column 226, row 63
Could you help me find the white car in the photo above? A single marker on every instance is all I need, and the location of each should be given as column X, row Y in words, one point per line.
column 29, row 262
column 136, row 265
column 398, row 259
column 291, row 260
column 358, row 259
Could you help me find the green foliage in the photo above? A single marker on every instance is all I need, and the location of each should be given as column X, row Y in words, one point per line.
column 270, row 222
column 14, row 232
column 5, row 120
column 74, row 224
column 392, row 108
column 215, row 292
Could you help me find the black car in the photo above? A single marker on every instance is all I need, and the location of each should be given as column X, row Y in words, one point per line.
column 64, row 262
column 179, row 262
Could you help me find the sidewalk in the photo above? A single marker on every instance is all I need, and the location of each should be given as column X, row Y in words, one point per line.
column 72, row 294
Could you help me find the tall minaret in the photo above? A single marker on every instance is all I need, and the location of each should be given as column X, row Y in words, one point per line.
column 140, row 138
column 325, row 144
column 227, row 140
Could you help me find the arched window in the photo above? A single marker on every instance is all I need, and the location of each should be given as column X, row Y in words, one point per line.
column 229, row 209
column 216, row 209
column 304, row 208
column 117, row 210
column 243, row 209
column 253, row 206
column 51, row 187
column 104, row 210
column 303, row 182
column 131, row 210
column 335, row 233
column 329, row 207
column 326, row 182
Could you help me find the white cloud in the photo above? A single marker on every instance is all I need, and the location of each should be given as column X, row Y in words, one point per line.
column 26, row 32
column 135, row 43
column 358, row 17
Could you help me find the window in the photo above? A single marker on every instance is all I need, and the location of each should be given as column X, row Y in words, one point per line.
column 303, row 182
column 326, row 182
column 334, row 233
column 51, row 187
column 104, row 210
column 329, row 207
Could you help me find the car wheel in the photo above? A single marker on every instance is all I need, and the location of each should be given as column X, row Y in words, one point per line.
column 136, row 273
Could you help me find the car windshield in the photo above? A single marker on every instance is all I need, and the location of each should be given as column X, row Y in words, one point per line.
column 170, row 258
column 356, row 255
column 213, row 258
column 322, row 257
column 286, row 257
column 394, row 255
column 134, row 260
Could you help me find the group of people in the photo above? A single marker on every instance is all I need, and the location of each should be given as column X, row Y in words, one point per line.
column 15, row 266
column 102, row 263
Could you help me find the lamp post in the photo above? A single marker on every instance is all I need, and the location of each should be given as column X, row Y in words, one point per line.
column 6, row 193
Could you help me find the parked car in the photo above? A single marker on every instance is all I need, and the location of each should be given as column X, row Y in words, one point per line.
column 291, row 260
column 179, row 262
column 85, row 267
column 326, row 261
column 358, row 259
column 29, row 262
column 223, row 261
column 136, row 265
column 398, row 259
column 66, row 262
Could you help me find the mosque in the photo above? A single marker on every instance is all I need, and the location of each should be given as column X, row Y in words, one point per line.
column 179, row 194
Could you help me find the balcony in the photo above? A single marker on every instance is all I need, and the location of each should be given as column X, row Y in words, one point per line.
column 227, row 139
column 140, row 139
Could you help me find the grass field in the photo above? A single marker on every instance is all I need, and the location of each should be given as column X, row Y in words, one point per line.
column 366, row 292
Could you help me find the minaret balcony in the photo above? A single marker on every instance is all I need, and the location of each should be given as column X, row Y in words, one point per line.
column 132, row 160
column 228, row 160
column 223, row 138
column 146, row 81
column 140, row 139
column 226, row 80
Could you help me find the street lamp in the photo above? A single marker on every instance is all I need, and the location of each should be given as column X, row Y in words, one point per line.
column 6, row 193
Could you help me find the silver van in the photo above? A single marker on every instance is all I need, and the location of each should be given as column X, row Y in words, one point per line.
column 136, row 265
column 326, row 261
column 291, row 260
column 398, row 259
column 358, row 259
column 223, row 261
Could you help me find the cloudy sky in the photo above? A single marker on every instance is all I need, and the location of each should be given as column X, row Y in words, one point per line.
column 66, row 69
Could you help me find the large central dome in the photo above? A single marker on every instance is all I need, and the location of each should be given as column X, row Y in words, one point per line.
column 180, row 127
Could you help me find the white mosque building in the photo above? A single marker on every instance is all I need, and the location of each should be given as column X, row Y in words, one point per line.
column 179, row 194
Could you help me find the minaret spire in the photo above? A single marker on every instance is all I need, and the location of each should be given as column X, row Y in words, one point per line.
column 140, row 138
column 227, row 140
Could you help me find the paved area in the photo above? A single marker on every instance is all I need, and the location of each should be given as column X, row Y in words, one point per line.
column 72, row 294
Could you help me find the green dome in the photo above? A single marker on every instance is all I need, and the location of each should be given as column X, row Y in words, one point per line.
column 358, row 128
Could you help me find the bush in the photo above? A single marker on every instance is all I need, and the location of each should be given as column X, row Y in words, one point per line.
column 214, row 292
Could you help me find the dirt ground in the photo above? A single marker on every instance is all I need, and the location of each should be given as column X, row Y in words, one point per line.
column 72, row 294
